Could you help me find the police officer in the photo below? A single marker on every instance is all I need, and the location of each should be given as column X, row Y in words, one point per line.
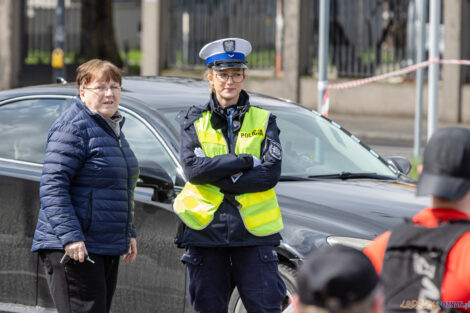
column 231, row 155
column 427, row 260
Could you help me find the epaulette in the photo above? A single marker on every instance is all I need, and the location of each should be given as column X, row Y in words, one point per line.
column 187, row 117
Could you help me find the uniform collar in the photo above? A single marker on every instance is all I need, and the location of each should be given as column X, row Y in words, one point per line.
column 218, row 116
column 432, row 217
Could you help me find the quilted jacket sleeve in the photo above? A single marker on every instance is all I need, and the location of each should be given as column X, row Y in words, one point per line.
column 205, row 170
column 65, row 154
column 262, row 177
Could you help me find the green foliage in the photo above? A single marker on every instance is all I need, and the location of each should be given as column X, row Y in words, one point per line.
column 134, row 57
column 261, row 59
column 256, row 59
column 41, row 57
column 36, row 57
column 369, row 57
column 179, row 57
column 415, row 163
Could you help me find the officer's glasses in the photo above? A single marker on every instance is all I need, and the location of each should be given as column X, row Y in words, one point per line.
column 236, row 77
column 103, row 89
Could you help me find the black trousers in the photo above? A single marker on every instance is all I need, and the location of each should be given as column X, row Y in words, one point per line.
column 81, row 287
column 254, row 270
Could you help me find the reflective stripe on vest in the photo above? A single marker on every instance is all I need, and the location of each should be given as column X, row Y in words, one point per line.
column 196, row 204
column 260, row 212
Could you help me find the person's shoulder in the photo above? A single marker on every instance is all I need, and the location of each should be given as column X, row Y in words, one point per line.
column 272, row 116
column 375, row 250
column 458, row 265
column 188, row 116
column 461, row 248
column 74, row 119
column 74, row 112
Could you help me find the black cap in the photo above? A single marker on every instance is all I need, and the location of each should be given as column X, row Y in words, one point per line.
column 446, row 164
column 336, row 277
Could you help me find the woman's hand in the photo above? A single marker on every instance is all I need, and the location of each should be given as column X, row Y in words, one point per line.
column 76, row 251
column 129, row 257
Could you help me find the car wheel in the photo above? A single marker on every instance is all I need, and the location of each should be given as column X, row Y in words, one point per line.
column 288, row 275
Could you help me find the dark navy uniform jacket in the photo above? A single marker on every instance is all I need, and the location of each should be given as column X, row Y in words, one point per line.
column 227, row 228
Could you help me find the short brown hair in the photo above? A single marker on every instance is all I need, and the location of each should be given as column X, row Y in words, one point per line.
column 99, row 70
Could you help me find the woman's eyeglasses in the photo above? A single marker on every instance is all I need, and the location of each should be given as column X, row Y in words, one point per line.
column 236, row 77
column 103, row 89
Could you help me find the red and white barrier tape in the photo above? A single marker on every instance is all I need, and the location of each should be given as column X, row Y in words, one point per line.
column 457, row 62
column 368, row 80
column 325, row 105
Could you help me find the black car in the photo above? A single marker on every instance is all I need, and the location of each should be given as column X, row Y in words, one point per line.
column 333, row 190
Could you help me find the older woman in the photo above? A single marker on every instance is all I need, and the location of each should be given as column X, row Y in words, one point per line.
column 86, row 190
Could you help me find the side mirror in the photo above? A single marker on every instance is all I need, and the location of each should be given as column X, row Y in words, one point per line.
column 400, row 163
column 60, row 80
column 152, row 175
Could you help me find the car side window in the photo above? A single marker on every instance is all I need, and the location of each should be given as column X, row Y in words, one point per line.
column 24, row 126
column 145, row 145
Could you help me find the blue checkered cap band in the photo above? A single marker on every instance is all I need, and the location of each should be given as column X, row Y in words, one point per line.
column 227, row 50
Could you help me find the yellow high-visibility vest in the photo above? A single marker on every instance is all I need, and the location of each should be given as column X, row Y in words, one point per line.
column 197, row 204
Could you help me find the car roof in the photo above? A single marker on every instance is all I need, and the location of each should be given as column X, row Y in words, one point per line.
column 155, row 92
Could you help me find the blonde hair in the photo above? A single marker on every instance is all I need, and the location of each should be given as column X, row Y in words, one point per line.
column 206, row 74
column 97, row 69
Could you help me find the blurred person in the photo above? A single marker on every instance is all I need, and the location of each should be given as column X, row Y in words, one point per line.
column 338, row 279
column 231, row 155
column 86, row 220
column 427, row 258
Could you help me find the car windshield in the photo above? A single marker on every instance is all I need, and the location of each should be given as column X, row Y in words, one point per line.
column 315, row 147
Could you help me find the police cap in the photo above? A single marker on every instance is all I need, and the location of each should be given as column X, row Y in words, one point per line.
column 226, row 53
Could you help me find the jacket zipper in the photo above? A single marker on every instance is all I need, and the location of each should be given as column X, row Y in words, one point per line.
column 128, row 176
column 129, row 206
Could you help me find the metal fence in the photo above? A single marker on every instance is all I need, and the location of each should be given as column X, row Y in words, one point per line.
column 40, row 23
column 197, row 22
column 40, row 20
column 367, row 37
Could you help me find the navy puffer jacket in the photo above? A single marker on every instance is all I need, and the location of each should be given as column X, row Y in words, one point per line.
column 87, row 185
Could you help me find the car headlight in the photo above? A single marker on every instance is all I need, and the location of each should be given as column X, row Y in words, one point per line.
column 357, row 243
